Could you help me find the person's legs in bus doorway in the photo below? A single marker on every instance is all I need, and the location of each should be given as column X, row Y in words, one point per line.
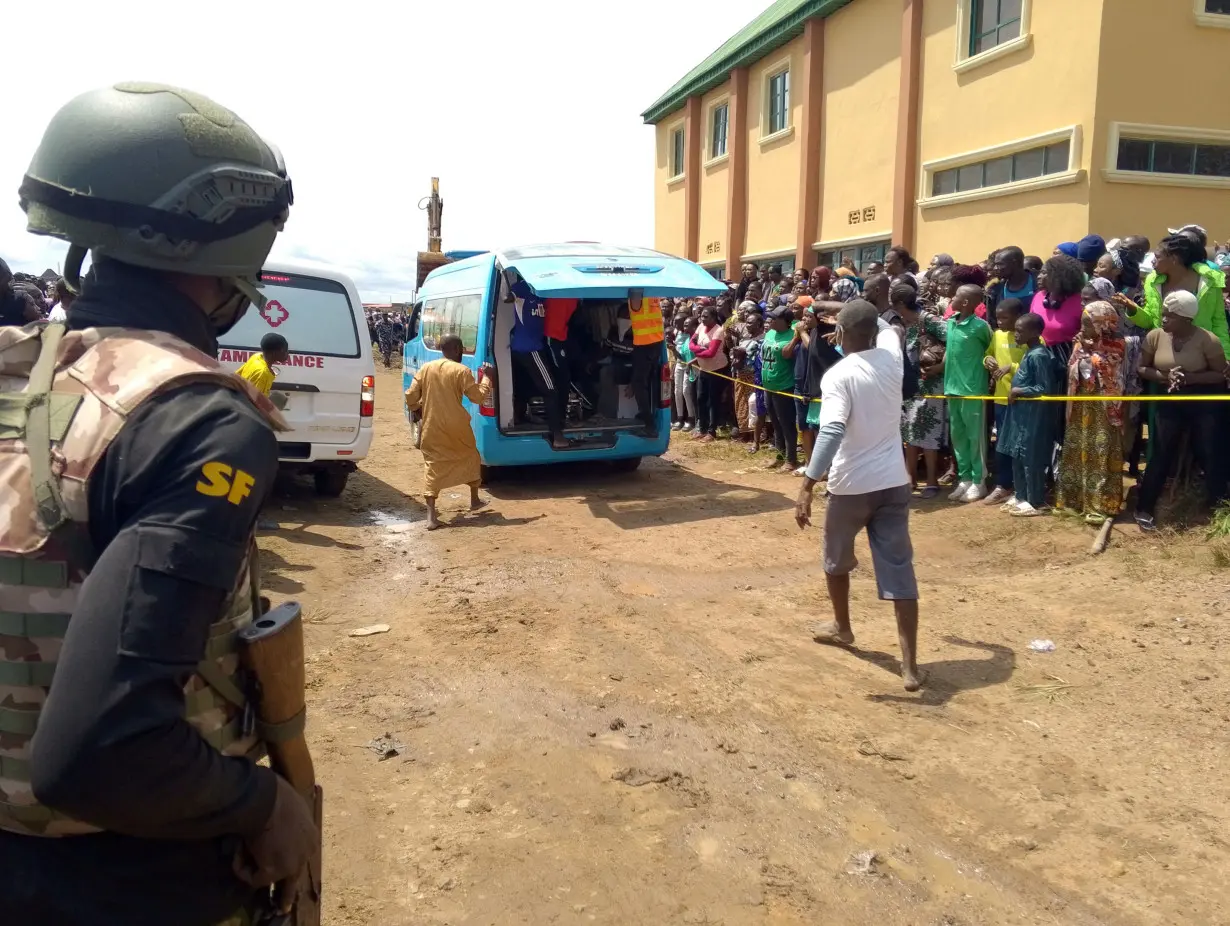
column 542, row 373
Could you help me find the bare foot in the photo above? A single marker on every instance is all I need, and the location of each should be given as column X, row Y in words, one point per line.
column 913, row 678
column 478, row 504
column 832, row 635
column 433, row 524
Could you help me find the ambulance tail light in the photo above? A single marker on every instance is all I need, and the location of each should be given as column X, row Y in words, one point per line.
column 666, row 387
column 487, row 409
column 367, row 397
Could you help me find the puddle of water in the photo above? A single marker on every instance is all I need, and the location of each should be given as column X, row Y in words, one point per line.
column 392, row 521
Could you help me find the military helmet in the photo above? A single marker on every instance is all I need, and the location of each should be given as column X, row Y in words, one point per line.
column 157, row 177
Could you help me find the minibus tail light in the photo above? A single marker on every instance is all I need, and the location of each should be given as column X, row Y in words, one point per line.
column 487, row 409
column 666, row 387
column 367, row 397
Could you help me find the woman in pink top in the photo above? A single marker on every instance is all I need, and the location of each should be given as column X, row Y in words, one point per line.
column 709, row 346
column 1058, row 302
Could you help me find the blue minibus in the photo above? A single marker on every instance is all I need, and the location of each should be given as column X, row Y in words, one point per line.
column 472, row 298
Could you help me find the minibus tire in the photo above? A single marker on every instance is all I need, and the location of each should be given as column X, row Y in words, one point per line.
column 330, row 482
column 626, row 465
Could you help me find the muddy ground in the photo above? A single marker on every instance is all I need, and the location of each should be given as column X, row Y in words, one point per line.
column 606, row 707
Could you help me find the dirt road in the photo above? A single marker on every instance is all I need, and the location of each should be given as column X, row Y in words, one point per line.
column 607, row 708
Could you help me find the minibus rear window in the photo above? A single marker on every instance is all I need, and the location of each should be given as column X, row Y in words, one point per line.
column 314, row 315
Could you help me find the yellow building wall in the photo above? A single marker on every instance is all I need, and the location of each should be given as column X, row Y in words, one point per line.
column 669, row 212
column 858, row 139
column 1046, row 86
column 1149, row 88
column 714, row 185
column 773, row 169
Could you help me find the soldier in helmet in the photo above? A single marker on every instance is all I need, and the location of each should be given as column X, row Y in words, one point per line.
column 132, row 467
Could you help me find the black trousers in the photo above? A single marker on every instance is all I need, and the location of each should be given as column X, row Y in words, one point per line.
column 785, row 427
column 540, row 368
column 646, row 381
column 1201, row 422
column 709, row 401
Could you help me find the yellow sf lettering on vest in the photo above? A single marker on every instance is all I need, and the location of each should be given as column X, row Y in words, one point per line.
column 220, row 479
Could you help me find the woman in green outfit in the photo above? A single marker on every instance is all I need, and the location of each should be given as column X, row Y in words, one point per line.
column 1181, row 265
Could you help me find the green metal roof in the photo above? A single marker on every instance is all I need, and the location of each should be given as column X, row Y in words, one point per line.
column 769, row 31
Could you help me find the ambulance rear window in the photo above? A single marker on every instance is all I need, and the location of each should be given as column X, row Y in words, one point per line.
column 314, row 315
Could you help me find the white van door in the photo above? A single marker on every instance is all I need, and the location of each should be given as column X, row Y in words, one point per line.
column 321, row 319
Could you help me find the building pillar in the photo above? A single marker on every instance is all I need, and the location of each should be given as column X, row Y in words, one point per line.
column 905, row 180
column 812, row 89
column 691, row 184
column 736, row 169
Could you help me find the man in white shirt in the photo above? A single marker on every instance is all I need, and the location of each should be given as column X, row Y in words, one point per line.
column 859, row 445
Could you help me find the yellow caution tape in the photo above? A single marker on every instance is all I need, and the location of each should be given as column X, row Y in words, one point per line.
column 1217, row 397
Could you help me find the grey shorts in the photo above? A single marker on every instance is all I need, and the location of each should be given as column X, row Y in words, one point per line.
column 886, row 515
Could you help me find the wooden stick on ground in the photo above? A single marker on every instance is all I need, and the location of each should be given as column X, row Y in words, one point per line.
column 1103, row 538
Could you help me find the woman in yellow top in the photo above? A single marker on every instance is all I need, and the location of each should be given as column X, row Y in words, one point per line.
column 259, row 368
column 450, row 455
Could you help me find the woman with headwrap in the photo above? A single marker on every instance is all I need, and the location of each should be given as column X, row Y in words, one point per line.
column 1182, row 359
column 1066, row 248
column 1097, row 290
column 1090, row 477
column 844, row 290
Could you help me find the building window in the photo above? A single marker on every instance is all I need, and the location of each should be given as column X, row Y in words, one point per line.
column 988, row 30
column 1173, row 157
column 717, row 133
column 1010, row 168
column 1168, row 155
column 779, row 102
column 993, row 23
column 861, row 255
column 677, row 153
column 1217, row 7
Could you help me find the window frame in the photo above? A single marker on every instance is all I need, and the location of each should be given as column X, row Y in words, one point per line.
column 1200, row 10
column 767, row 133
column 1073, row 134
column 711, row 122
column 1162, row 133
column 880, row 241
column 446, row 313
column 676, row 130
column 965, row 60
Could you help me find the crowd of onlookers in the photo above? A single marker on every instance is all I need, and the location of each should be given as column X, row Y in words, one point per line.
column 25, row 298
column 1103, row 323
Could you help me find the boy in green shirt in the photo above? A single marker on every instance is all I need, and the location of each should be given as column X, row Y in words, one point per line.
column 964, row 374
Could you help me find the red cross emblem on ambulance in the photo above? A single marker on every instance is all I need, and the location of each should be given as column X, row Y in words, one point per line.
column 274, row 313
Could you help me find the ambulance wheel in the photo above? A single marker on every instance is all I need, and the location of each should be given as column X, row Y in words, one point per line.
column 626, row 465
column 330, row 482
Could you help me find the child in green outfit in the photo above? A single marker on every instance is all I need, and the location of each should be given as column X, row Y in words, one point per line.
column 964, row 374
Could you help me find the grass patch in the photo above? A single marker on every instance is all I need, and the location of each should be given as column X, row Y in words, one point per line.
column 1219, row 524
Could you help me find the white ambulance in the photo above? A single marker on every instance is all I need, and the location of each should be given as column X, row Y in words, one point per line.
column 330, row 381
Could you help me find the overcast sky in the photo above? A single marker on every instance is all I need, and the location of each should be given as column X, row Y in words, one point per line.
column 527, row 112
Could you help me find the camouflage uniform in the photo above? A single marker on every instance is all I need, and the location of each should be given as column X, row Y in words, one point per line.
column 101, row 376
